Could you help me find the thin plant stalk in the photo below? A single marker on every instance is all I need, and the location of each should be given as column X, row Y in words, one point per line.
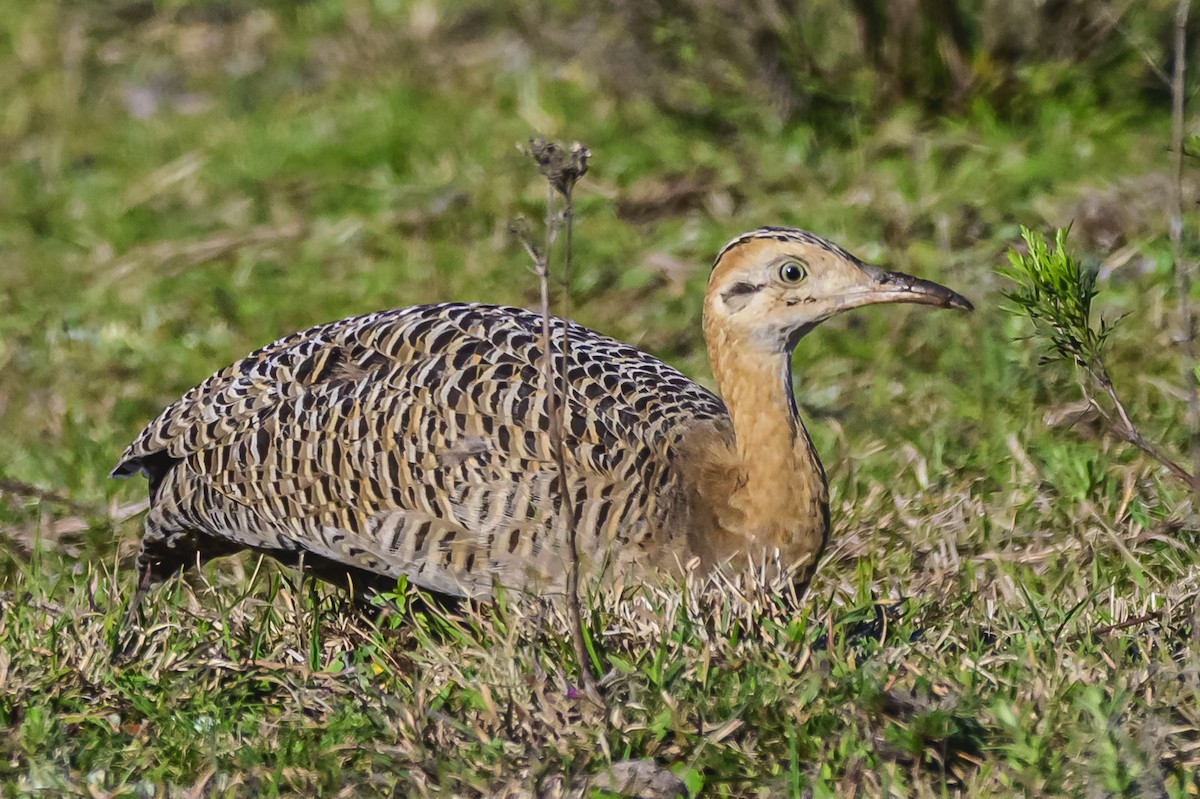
column 1124, row 426
column 1182, row 270
column 573, row 601
column 562, row 167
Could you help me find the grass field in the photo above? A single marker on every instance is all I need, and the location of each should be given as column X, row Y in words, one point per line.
column 1007, row 607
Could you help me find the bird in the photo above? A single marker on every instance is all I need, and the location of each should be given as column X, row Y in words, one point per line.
column 417, row 443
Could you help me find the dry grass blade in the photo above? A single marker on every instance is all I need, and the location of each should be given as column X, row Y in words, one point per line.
column 169, row 257
column 23, row 490
column 644, row 779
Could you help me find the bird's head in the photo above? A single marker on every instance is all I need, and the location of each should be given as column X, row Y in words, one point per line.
column 771, row 286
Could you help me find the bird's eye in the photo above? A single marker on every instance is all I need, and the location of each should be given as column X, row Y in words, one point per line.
column 792, row 272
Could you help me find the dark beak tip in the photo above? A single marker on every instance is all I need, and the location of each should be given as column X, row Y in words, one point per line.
column 960, row 302
column 929, row 293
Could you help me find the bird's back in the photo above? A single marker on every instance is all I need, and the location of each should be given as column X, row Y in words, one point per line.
column 416, row 442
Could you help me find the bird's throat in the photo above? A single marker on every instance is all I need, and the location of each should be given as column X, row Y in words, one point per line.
column 780, row 500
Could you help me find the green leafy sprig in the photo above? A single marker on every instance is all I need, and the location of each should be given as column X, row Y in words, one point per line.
column 1055, row 291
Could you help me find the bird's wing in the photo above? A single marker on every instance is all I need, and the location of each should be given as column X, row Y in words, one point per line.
column 416, row 442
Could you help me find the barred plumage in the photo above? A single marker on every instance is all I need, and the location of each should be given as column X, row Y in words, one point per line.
column 416, row 442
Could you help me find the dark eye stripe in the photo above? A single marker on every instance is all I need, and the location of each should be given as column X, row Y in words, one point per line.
column 738, row 289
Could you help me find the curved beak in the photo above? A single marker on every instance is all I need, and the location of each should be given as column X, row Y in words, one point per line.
column 880, row 286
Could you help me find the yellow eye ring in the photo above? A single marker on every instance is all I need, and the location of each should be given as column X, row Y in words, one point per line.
column 792, row 272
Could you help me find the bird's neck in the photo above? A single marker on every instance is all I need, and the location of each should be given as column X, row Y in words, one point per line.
column 774, row 453
column 778, row 498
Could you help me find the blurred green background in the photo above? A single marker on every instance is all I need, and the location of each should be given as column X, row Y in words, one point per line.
column 182, row 182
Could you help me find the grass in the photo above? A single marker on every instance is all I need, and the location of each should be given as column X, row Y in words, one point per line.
column 1006, row 607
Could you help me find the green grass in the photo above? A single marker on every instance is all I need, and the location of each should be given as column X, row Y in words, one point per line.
column 1006, row 608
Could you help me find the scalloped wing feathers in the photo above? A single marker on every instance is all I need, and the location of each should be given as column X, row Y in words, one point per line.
column 416, row 442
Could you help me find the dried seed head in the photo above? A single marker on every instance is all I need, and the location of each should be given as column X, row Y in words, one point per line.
column 561, row 165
